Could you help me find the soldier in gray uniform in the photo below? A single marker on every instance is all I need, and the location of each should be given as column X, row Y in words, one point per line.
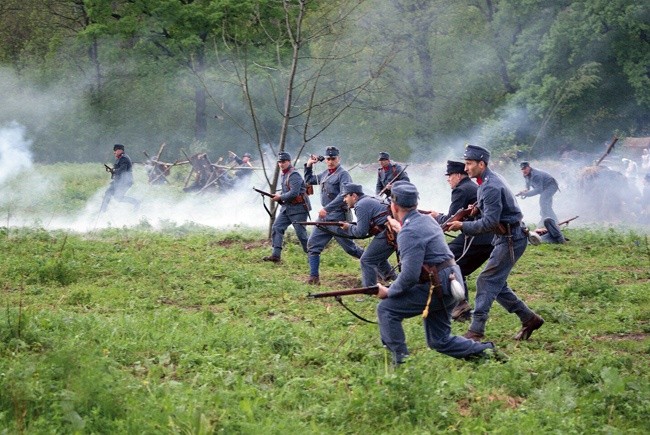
column 501, row 216
column 470, row 252
column 544, row 185
column 121, row 180
column 295, row 207
column 387, row 172
column 372, row 215
column 334, row 209
column 420, row 242
column 551, row 233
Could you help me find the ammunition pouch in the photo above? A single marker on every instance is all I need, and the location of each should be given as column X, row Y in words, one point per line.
column 429, row 272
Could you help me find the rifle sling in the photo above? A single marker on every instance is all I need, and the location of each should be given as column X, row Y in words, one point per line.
column 340, row 301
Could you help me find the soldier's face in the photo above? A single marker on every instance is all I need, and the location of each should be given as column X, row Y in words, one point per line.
column 284, row 164
column 453, row 180
column 118, row 153
column 350, row 199
column 526, row 171
column 474, row 168
column 384, row 162
column 332, row 162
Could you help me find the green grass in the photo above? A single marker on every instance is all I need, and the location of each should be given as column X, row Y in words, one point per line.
column 187, row 331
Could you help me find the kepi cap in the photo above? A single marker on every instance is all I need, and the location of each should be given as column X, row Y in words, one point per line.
column 474, row 152
column 332, row 152
column 455, row 167
column 284, row 156
column 118, row 146
column 384, row 156
column 350, row 188
column 404, row 194
column 247, row 155
column 523, row 165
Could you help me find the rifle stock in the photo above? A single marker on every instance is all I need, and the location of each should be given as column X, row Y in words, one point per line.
column 460, row 215
column 372, row 290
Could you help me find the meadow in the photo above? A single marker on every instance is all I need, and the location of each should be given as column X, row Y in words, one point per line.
column 184, row 330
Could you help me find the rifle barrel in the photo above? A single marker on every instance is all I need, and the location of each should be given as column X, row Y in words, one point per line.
column 372, row 290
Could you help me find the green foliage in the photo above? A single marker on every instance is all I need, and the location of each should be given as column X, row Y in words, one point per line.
column 173, row 340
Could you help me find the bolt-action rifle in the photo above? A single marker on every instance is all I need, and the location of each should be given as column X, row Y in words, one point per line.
column 392, row 181
column 542, row 231
column 270, row 195
column 337, row 295
column 461, row 215
column 326, row 223
column 109, row 169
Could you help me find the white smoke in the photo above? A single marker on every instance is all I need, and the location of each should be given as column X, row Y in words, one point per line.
column 15, row 155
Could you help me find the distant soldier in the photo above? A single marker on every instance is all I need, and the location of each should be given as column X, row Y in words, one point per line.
column 422, row 246
column 645, row 200
column 245, row 169
column 334, row 209
column 295, row 207
column 372, row 215
column 542, row 184
column 551, row 233
column 470, row 252
column 121, row 180
column 388, row 172
column 501, row 216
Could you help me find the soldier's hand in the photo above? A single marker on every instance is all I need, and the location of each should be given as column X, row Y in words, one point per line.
column 276, row 197
column 322, row 213
column 394, row 224
column 434, row 214
column 454, row 226
column 345, row 226
column 383, row 291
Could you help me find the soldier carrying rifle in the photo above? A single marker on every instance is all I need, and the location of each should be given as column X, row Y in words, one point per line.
column 121, row 179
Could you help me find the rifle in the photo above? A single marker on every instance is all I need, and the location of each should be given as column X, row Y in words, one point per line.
column 609, row 149
column 372, row 290
column 542, row 231
column 326, row 223
column 109, row 169
column 391, row 181
column 461, row 215
column 270, row 195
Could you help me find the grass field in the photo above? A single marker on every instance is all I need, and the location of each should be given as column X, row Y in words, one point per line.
column 186, row 331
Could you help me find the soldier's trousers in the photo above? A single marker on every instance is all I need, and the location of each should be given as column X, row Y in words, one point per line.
column 546, row 204
column 437, row 326
column 375, row 260
column 280, row 225
column 119, row 192
column 320, row 238
column 474, row 258
column 492, row 283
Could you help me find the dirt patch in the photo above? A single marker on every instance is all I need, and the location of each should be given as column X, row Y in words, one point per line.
column 247, row 245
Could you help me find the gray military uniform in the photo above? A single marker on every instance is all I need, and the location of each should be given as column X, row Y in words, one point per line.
column 295, row 208
column 544, row 185
column 498, row 205
column 421, row 241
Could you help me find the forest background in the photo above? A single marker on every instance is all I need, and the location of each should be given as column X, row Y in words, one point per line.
column 410, row 77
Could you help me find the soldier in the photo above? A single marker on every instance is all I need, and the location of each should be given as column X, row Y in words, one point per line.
column 334, row 209
column 420, row 242
column 551, row 233
column 245, row 166
column 544, row 185
column 470, row 252
column 388, row 172
column 499, row 215
column 372, row 215
column 121, row 180
column 295, row 207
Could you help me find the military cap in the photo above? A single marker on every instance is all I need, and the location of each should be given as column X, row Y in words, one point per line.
column 118, row 146
column 284, row 156
column 404, row 194
column 247, row 155
column 384, row 156
column 524, row 165
column 455, row 167
column 331, row 152
column 350, row 188
column 473, row 152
